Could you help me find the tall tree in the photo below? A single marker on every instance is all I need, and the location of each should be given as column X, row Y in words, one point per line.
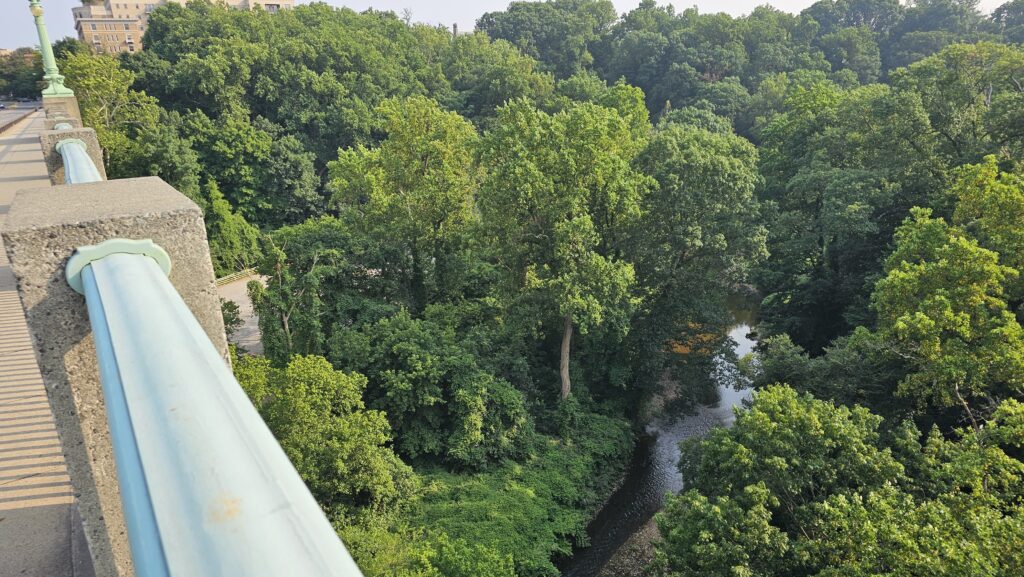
column 558, row 196
column 109, row 103
column 21, row 73
column 1008, row 20
column 841, row 170
column 967, row 90
column 699, row 234
column 990, row 207
column 942, row 304
column 416, row 188
column 559, row 33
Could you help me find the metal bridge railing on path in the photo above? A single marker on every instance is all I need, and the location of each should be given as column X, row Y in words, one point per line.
column 206, row 488
column 78, row 165
column 204, row 485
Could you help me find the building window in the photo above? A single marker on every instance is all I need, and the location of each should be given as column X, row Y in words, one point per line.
column 127, row 27
column 131, row 48
column 93, row 26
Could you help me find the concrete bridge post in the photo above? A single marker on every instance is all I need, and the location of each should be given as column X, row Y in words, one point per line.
column 43, row 229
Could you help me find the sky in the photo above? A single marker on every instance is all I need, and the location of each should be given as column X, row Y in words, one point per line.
column 17, row 29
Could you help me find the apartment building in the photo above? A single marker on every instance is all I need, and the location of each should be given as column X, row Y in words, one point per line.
column 111, row 27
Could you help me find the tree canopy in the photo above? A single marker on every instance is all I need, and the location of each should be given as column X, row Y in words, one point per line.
column 488, row 258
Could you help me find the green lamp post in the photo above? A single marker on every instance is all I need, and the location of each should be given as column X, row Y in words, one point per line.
column 55, row 82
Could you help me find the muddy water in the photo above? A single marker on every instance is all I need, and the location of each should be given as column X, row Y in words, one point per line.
column 654, row 472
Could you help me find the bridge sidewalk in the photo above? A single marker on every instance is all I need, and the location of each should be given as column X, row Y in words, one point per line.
column 40, row 533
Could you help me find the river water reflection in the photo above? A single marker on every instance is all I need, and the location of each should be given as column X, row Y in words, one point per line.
column 653, row 472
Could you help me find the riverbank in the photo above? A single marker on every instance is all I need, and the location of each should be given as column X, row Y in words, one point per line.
column 635, row 555
column 623, row 533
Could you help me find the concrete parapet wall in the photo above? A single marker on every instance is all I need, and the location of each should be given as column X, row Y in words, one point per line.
column 62, row 107
column 49, row 123
column 55, row 163
column 44, row 227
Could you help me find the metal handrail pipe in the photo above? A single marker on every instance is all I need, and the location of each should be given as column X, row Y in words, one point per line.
column 205, row 487
column 78, row 165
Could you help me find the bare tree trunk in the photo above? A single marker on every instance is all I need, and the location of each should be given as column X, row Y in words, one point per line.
column 564, row 364
column 418, row 282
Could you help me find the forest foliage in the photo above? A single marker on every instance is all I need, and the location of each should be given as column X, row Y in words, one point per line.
column 480, row 251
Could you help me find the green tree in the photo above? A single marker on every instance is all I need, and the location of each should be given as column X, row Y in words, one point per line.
column 440, row 401
column 841, row 169
column 806, row 488
column 234, row 243
column 700, row 231
column 414, row 191
column 160, row 150
column 753, row 487
column 558, row 196
column 857, row 369
column 942, row 306
column 108, row 103
column 704, row 536
column 879, row 16
column 1008, row 19
column 964, row 88
column 990, row 206
column 21, row 73
column 853, row 49
column 338, row 446
column 556, row 32
column 928, row 26
column 67, row 46
column 485, row 74
column 322, row 278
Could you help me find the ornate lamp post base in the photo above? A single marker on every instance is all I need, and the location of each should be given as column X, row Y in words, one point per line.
column 57, row 88
column 58, row 100
column 54, row 80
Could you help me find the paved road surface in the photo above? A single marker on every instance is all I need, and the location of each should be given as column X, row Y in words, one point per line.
column 8, row 115
column 248, row 335
column 14, row 111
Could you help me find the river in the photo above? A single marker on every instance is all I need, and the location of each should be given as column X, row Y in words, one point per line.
column 653, row 472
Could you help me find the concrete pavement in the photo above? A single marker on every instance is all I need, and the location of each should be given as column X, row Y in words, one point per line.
column 246, row 336
column 40, row 532
column 15, row 111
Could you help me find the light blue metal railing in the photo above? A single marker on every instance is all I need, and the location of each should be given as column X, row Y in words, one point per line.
column 78, row 165
column 206, row 488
